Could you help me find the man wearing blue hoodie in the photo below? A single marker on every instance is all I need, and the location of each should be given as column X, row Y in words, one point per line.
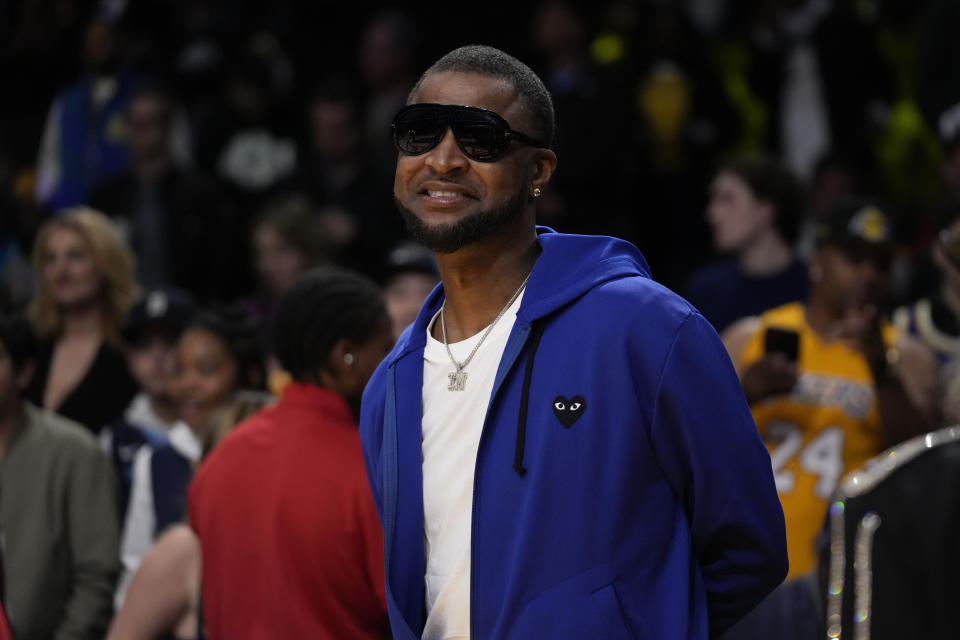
column 558, row 447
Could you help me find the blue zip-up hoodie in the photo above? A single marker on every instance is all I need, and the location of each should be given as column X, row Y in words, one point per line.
column 621, row 488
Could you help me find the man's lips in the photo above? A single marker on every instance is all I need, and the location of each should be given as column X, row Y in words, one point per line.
column 444, row 193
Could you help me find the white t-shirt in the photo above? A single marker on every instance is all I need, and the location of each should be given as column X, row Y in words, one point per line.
column 451, row 426
column 138, row 527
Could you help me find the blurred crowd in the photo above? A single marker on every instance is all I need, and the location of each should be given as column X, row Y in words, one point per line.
column 169, row 169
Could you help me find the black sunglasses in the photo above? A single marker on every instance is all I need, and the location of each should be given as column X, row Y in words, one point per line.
column 480, row 133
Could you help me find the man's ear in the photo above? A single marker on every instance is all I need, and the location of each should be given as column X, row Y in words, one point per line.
column 24, row 375
column 542, row 168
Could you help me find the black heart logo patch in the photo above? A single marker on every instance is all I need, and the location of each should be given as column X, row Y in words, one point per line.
column 569, row 411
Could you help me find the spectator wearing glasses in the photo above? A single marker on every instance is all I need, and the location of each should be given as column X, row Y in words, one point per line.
column 620, row 483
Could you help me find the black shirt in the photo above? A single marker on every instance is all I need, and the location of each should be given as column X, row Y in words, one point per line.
column 100, row 397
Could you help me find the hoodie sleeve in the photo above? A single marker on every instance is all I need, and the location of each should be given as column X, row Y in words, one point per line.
column 371, row 432
column 708, row 445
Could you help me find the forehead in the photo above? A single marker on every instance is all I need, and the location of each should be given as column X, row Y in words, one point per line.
column 62, row 235
column 201, row 339
column 730, row 180
column 854, row 251
column 471, row 90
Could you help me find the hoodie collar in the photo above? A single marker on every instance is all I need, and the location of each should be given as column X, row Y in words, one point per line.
column 567, row 267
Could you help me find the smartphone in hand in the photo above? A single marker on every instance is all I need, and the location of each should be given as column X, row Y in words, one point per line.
column 785, row 341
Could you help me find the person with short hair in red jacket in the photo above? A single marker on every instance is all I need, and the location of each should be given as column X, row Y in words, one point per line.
column 290, row 541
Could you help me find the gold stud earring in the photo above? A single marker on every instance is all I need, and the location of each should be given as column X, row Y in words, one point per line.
column 536, row 192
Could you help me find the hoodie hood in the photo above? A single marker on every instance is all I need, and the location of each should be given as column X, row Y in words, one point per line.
column 593, row 259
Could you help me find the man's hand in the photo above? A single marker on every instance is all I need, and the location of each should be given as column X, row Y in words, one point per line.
column 860, row 330
column 772, row 375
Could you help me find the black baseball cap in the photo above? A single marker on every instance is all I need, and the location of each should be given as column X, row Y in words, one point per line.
column 410, row 257
column 163, row 310
column 856, row 222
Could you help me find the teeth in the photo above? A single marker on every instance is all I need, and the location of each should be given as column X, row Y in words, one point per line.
column 442, row 194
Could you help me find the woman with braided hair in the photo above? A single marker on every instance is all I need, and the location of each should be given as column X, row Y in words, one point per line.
column 290, row 541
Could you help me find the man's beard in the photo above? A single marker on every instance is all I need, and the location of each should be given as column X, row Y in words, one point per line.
column 450, row 237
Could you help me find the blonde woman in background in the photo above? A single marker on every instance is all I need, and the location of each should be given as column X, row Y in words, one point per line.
column 85, row 285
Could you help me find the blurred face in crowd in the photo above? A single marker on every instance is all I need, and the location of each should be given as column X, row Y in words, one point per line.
column 558, row 31
column 449, row 200
column 69, row 270
column 205, row 376
column 152, row 362
column 99, row 46
column 382, row 59
column 335, row 131
column 850, row 275
column 830, row 188
column 404, row 295
column 736, row 216
column 278, row 262
column 147, row 121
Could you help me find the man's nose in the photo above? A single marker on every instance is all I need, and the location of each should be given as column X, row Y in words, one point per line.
column 447, row 155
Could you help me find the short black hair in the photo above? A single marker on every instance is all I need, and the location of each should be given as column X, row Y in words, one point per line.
column 322, row 306
column 241, row 333
column 17, row 339
column 495, row 63
column 770, row 180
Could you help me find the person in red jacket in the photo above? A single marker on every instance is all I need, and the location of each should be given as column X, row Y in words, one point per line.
column 290, row 542
column 4, row 627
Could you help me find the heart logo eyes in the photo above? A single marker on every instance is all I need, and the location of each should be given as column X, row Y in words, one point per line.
column 569, row 410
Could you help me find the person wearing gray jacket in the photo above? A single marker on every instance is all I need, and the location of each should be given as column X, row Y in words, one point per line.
column 58, row 519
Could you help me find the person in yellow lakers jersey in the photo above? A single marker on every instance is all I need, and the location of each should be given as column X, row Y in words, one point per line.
column 820, row 376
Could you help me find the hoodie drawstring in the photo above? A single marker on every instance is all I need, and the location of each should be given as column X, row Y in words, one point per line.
column 535, row 333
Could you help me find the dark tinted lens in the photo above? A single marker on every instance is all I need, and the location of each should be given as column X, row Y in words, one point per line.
column 481, row 135
column 417, row 130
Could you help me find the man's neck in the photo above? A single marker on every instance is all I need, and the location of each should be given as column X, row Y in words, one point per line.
column 479, row 280
column 765, row 256
column 165, row 409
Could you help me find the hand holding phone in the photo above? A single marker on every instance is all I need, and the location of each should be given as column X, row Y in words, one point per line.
column 785, row 341
column 776, row 372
